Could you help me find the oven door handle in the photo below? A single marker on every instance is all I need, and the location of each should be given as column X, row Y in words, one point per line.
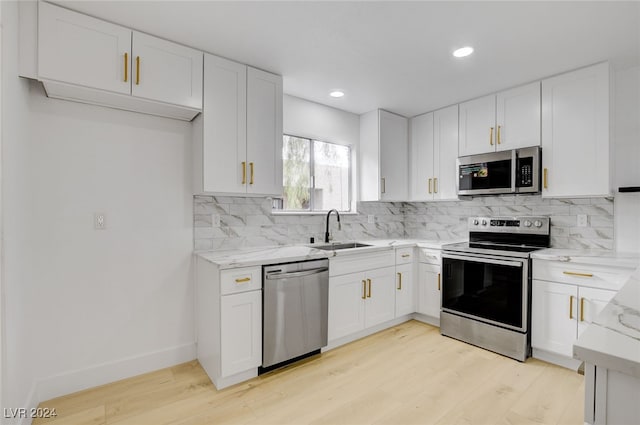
column 514, row 263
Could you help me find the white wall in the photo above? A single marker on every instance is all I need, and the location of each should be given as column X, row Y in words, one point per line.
column 309, row 119
column 85, row 306
column 627, row 157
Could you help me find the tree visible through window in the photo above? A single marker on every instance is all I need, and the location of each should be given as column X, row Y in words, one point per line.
column 316, row 175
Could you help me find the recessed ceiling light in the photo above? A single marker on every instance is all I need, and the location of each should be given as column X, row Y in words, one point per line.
column 336, row 93
column 463, row 51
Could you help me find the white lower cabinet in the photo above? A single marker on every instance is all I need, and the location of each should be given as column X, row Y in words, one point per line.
column 241, row 332
column 429, row 299
column 566, row 298
column 229, row 322
column 360, row 300
column 405, row 285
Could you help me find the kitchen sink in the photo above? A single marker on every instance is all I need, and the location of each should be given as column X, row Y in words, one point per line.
column 344, row 245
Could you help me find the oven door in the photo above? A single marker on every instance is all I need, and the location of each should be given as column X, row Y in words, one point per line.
column 487, row 288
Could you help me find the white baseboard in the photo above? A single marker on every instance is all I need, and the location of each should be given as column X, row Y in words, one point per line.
column 365, row 332
column 31, row 402
column 429, row 320
column 77, row 380
column 556, row 359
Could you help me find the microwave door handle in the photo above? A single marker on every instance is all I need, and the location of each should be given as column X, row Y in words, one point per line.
column 514, row 166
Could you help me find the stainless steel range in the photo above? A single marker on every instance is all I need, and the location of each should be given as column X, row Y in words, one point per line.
column 486, row 287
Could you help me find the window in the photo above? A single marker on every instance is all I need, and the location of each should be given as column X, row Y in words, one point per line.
column 316, row 175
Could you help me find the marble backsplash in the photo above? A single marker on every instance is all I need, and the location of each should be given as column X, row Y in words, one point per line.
column 234, row 222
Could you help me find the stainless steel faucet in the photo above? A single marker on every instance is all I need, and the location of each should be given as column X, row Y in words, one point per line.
column 327, row 235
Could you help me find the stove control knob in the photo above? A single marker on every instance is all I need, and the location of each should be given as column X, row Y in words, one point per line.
column 484, row 222
column 537, row 223
column 475, row 222
column 527, row 223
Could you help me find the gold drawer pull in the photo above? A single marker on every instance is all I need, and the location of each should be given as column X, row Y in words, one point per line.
column 369, row 292
column 137, row 70
column 571, row 307
column 364, row 289
column 243, row 280
column 406, row 255
column 582, row 309
column 399, row 281
column 438, row 281
column 544, row 179
column 578, row 274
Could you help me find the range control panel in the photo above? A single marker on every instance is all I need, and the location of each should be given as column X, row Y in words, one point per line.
column 510, row 224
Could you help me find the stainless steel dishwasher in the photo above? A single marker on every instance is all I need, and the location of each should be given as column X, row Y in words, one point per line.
column 295, row 311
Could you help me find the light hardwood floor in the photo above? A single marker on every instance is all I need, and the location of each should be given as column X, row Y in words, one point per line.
column 408, row 374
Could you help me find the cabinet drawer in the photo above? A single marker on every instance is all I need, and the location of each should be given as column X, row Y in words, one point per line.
column 361, row 262
column 430, row 256
column 240, row 280
column 604, row 277
column 404, row 255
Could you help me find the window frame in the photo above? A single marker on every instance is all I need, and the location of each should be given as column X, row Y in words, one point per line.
column 312, row 179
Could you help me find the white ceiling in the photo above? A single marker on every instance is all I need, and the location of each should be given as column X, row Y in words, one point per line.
column 393, row 55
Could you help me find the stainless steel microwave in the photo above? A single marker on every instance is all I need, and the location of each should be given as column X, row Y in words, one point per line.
column 512, row 171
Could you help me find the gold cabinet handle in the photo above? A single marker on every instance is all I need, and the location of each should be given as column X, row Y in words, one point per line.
column 571, row 307
column 438, row 281
column 126, row 67
column 137, row 70
column 578, row 274
column 435, row 185
column 499, row 134
column 544, row 178
column 369, row 284
column 491, row 136
column 384, row 185
column 430, row 185
column 582, row 309
column 244, row 172
column 251, row 168
column 399, row 281
column 243, row 280
column 364, row 289
column 406, row 255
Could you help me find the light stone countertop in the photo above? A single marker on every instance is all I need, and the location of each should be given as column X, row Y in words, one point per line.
column 628, row 260
column 258, row 256
column 612, row 340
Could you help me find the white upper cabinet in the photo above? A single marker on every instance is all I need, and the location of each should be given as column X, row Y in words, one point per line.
column 264, row 132
column 434, row 149
column 166, row 72
column 88, row 60
column 575, row 133
column 477, row 126
column 77, row 49
column 383, row 157
column 238, row 140
column 518, row 117
column 502, row 121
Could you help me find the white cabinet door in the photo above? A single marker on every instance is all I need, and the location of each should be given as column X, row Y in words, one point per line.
column 575, row 133
column 518, row 117
column 380, row 305
column 429, row 296
column 264, row 133
column 77, row 49
column 166, row 71
column 445, row 130
column 394, row 163
column 405, row 300
column 592, row 301
column 224, row 140
column 241, row 332
column 554, row 317
column 422, row 157
column 477, row 126
column 347, row 294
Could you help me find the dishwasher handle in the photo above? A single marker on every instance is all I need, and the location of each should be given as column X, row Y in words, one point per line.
column 286, row 275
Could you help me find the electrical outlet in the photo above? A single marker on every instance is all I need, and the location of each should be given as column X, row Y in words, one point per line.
column 371, row 218
column 215, row 220
column 582, row 220
column 99, row 221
